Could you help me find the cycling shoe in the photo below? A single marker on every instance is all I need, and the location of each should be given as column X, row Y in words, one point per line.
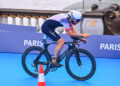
column 58, row 64
column 55, row 64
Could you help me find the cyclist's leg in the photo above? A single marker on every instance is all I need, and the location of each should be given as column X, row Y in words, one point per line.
column 58, row 48
column 50, row 32
column 60, row 42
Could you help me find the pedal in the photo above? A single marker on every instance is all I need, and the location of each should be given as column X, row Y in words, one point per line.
column 52, row 67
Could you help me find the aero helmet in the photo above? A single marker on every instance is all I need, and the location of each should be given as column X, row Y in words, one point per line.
column 75, row 15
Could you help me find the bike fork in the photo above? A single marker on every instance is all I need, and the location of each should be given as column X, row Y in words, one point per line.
column 77, row 55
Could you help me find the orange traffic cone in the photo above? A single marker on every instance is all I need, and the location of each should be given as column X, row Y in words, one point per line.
column 41, row 79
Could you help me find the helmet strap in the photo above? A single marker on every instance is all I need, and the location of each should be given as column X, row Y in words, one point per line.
column 69, row 19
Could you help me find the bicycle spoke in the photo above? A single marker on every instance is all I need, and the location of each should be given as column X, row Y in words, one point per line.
column 79, row 70
column 31, row 60
column 83, row 71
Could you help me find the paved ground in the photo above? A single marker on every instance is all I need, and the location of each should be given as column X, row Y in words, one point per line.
column 12, row 74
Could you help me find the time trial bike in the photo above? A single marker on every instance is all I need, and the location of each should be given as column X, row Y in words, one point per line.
column 79, row 63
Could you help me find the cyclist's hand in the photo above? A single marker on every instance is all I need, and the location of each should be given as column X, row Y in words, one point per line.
column 86, row 35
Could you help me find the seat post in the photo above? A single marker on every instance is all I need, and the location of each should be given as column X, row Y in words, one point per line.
column 44, row 39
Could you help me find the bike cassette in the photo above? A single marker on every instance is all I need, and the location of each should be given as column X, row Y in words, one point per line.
column 35, row 66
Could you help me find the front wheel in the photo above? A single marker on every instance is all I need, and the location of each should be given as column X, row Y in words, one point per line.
column 30, row 58
column 83, row 71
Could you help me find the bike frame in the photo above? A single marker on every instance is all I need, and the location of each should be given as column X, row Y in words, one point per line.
column 72, row 53
column 71, row 46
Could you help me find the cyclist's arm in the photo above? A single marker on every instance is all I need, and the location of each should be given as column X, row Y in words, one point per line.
column 73, row 32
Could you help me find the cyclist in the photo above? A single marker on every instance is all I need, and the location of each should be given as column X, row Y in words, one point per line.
column 66, row 20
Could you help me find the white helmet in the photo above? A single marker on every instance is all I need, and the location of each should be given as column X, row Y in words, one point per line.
column 75, row 15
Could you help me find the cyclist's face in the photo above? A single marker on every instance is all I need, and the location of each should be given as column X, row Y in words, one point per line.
column 75, row 22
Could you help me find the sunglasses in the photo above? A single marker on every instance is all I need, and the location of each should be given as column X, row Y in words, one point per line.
column 75, row 22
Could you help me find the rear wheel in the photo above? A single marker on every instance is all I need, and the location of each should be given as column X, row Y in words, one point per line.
column 85, row 70
column 29, row 58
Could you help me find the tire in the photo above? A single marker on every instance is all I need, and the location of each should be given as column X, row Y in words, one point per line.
column 75, row 71
column 31, row 54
